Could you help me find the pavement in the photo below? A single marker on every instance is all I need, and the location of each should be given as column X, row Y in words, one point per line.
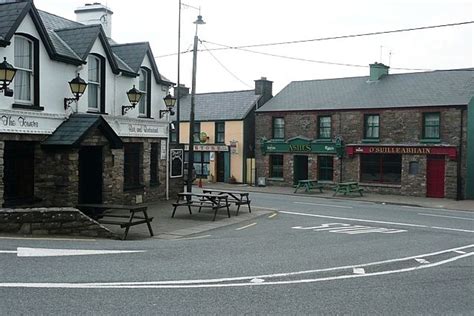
column 184, row 225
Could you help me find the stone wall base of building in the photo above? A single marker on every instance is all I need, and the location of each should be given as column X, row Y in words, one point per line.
column 51, row 221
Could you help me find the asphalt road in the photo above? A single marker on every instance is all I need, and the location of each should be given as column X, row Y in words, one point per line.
column 311, row 256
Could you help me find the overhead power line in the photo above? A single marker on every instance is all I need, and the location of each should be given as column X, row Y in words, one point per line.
column 333, row 37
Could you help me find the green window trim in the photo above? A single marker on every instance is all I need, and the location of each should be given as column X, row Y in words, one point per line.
column 371, row 126
column 431, row 126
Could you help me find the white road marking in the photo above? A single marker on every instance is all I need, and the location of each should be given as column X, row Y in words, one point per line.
column 358, row 271
column 378, row 222
column 350, row 229
column 256, row 280
column 434, row 209
column 273, row 215
column 44, row 252
column 48, row 238
column 328, row 205
column 265, row 208
column 353, row 219
column 421, row 260
column 454, row 217
column 247, row 226
column 217, row 283
column 460, row 252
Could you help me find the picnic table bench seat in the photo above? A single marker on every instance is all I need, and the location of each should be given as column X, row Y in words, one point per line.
column 238, row 198
column 347, row 187
column 308, row 185
column 212, row 201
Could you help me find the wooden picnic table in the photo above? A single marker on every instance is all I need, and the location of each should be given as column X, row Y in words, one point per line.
column 104, row 212
column 237, row 197
column 309, row 185
column 347, row 187
column 213, row 201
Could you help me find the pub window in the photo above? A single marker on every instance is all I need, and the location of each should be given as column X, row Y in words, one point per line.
column 24, row 64
column 220, row 132
column 431, row 125
column 276, row 166
column 197, row 132
column 381, row 168
column 94, row 85
column 155, row 164
column 132, row 162
column 325, row 168
column 278, row 127
column 371, row 126
column 324, row 127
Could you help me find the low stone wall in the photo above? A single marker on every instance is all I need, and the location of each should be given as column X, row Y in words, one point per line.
column 51, row 221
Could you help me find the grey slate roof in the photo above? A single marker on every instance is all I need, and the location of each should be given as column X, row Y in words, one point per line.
column 436, row 88
column 217, row 106
column 80, row 39
column 72, row 131
column 10, row 13
column 132, row 53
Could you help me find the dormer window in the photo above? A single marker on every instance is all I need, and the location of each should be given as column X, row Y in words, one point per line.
column 24, row 64
column 144, row 87
column 94, row 83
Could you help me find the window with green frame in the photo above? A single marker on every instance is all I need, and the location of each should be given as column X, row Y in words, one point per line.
column 276, row 166
column 324, row 127
column 197, row 132
column 371, row 126
column 325, row 168
column 220, row 132
column 431, row 125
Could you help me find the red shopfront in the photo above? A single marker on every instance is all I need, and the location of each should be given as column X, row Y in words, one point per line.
column 384, row 164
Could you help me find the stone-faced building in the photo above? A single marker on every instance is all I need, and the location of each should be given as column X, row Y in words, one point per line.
column 58, row 153
column 224, row 131
column 407, row 134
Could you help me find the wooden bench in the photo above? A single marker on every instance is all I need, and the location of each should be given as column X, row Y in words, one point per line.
column 347, row 187
column 237, row 197
column 309, row 185
column 105, row 212
column 206, row 200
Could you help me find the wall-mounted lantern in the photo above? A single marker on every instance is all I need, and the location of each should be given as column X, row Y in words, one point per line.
column 169, row 102
column 134, row 95
column 78, row 86
column 7, row 73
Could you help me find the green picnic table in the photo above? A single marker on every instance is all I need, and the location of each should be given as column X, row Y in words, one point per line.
column 309, row 185
column 347, row 187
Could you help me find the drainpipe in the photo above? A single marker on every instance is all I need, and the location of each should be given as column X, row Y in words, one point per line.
column 459, row 195
column 168, row 158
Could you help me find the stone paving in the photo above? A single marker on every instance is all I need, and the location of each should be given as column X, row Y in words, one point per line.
column 185, row 225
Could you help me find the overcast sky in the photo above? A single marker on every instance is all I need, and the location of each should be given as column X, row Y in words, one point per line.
column 247, row 22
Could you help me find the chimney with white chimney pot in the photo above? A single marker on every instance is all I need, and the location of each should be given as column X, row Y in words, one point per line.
column 95, row 13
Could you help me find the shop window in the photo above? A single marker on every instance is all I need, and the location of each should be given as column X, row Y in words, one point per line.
column 220, row 132
column 132, row 162
column 371, row 126
column 155, row 164
column 144, row 85
column 325, row 168
column 276, row 166
column 278, row 128
column 324, row 127
column 381, row 168
column 201, row 163
column 431, row 125
column 197, row 133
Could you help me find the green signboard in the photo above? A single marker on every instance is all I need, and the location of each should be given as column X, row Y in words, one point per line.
column 298, row 145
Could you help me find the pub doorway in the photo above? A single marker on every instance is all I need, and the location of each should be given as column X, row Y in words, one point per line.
column 19, row 175
column 90, row 175
column 300, row 168
column 435, row 178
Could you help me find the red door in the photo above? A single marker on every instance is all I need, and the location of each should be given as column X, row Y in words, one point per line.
column 435, row 176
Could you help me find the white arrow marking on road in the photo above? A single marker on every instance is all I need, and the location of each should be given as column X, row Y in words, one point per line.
column 44, row 252
column 256, row 280
column 359, row 271
column 424, row 261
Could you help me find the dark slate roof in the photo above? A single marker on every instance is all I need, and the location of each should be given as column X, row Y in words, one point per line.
column 11, row 14
column 81, row 38
column 73, row 131
column 216, row 106
column 436, row 88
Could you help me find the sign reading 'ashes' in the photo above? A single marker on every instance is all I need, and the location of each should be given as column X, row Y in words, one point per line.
column 297, row 145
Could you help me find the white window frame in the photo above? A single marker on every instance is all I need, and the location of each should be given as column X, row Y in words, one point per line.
column 142, row 105
column 97, row 83
column 25, row 70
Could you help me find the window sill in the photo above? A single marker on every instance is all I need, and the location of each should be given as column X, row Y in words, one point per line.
column 430, row 141
column 27, row 107
column 139, row 187
column 97, row 112
column 370, row 141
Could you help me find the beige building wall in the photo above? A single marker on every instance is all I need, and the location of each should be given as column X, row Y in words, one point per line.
column 234, row 131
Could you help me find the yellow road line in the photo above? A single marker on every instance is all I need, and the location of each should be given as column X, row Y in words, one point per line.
column 247, row 226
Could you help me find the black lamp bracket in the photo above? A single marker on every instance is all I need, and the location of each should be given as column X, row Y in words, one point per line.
column 68, row 101
column 126, row 108
column 163, row 112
